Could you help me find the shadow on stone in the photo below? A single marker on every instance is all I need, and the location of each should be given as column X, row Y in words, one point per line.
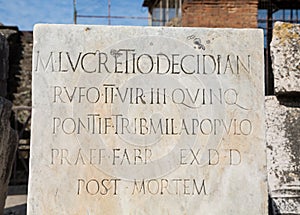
column 17, row 190
column 292, row 99
column 16, row 210
column 273, row 209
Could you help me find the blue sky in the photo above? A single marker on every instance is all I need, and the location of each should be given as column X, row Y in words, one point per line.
column 26, row 13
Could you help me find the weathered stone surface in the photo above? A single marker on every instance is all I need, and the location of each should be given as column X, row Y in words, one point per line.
column 8, row 146
column 141, row 120
column 283, row 150
column 22, row 94
column 22, row 91
column 19, row 78
column 3, row 65
column 15, row 54
column 285, row 52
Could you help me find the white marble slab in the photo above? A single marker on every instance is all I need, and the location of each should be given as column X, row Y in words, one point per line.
column 142, row 120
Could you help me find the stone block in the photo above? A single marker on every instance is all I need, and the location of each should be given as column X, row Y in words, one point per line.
column 283, row 151
column 8, row 146
column 285, row 53
column 147, row 120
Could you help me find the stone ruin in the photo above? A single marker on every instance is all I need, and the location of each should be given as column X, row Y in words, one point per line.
column 283, row 121
column 8, row 137
column 282, row 113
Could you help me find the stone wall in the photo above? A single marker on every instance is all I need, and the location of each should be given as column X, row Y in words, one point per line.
column 19, row 76
column 19, row 93
column 3, row 65
column 283, row 121
column 8, row 137
column 222, row 13
column 8, row 146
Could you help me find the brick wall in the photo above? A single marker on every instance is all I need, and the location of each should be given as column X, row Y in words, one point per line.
column 220, row 13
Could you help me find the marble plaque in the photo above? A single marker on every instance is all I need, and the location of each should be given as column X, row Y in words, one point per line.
column 147, row 120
